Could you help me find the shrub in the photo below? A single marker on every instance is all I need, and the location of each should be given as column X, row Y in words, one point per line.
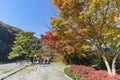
column 81, row 70
column 99, row 75
column 58, row 58
column 88, row 73
column 102, row 75
column 72, row 75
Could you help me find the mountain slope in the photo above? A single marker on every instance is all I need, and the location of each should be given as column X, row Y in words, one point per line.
column 7, row 36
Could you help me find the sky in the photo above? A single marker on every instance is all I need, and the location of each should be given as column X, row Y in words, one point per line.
column 28, row 15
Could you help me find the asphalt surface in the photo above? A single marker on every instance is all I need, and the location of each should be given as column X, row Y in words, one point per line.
column 11, row 68
column 40, row 72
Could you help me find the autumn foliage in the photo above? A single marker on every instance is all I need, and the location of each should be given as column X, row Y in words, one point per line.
column 81, row 70
column 86, row 28
column 88, row 73
column 88, row 23
column 56, row 43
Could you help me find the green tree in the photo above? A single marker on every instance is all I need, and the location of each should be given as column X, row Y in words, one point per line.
column 23, row 45
column 90, row 23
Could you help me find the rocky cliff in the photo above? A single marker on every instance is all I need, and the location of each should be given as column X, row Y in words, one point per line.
column 7, row 36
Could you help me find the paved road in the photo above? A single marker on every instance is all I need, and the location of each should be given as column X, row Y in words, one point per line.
column 7, row 69
column 41, row 72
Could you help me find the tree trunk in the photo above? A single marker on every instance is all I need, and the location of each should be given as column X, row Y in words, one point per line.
column 113, row 67
column 68, row 59
column 107, row 65
column 114, row 64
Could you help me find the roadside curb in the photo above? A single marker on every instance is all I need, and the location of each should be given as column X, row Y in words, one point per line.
column 68, row 77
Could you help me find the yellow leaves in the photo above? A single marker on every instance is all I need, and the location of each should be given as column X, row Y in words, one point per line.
column 118, row 36
column 64, row 14
column 55, row 33
column 92, row 4
column 69, row 49
column 108, row 34
column 82, row 17
column 84, row 30
column 69, row 31
column 75, row 14
column 59, row 23
column 53, row 1
column 116, row 18
column 86, row 47
column 54, row 20
column 84, row 55
column 61, row 4
column 97, row 4
column 13, row 54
